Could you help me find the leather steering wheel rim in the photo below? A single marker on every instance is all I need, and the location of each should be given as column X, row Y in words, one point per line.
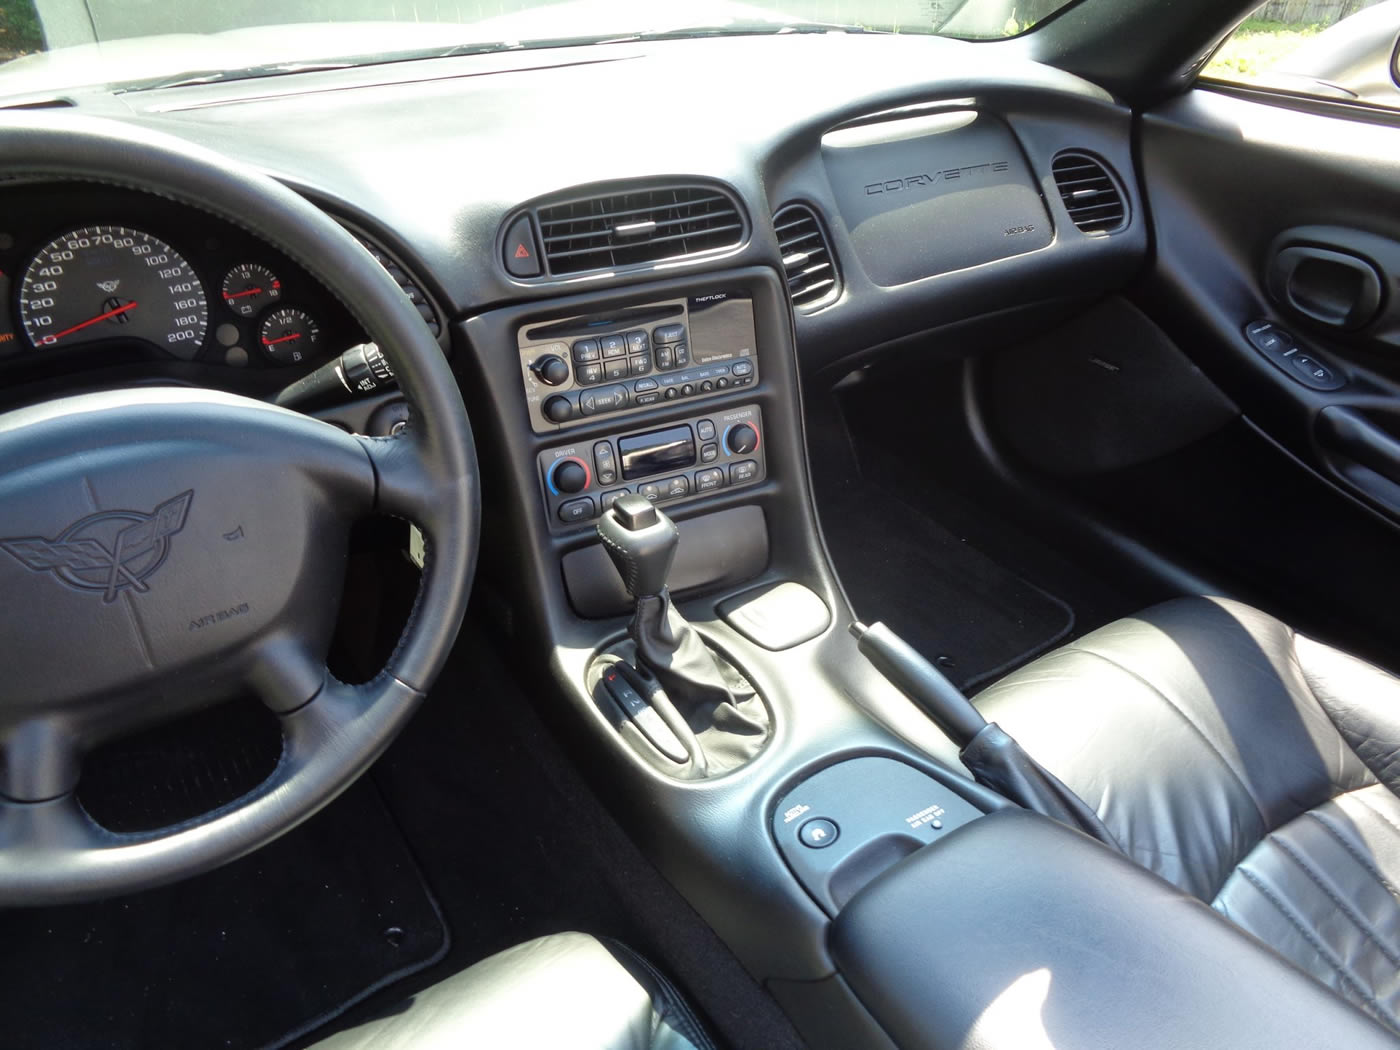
column 50, row 851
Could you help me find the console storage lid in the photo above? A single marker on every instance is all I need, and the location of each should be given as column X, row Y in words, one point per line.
column 1013, row 933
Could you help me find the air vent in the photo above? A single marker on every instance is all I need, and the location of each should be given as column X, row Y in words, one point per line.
column 1091, row 195
column 639, row 227
column 404, row 280
column 807, row 258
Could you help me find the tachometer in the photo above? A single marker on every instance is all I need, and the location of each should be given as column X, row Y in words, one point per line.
column 110, row 282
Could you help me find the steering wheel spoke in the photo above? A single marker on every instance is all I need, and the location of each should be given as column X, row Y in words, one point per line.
column 39, row 761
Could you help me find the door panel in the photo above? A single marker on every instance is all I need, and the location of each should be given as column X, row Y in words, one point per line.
column 1277, row 268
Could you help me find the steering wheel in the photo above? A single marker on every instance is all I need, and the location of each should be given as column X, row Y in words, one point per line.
column 162, row 546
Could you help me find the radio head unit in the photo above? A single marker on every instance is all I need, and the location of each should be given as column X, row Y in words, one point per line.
column 621, row 360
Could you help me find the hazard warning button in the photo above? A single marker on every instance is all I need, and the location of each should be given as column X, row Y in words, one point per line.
column 521, row 255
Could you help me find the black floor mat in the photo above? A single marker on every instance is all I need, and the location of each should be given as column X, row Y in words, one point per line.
column 954, row 604
column 249, row 955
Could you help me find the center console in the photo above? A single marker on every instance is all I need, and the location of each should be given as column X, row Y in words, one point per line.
column 821, row 822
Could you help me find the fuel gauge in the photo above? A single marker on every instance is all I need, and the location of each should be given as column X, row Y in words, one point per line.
column 248, row 288
column 289, row 336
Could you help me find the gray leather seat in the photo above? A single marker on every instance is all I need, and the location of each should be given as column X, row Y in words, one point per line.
column 1253, row 767
column 567, row 990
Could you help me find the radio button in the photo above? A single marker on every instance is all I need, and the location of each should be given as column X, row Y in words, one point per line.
column 605, row 463
column 558, row 408
column 643, row 385
column 641, row 364
column 615, row 369
column 613, row 346
column 589, row 374
column 705, row 430
column 609, row 498
column 682, row 353
column 577, row 510
column 709, row 453
column 705, row 480
column 604, row 399
column 647, row 399
column 742, row 368
column 668, row 333
column 637, row 342
column 585, row 350
column 665, row 359
column 742, row 472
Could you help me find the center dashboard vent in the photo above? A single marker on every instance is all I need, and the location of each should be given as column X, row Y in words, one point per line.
column 638, row 227
column 807, row 259
column 1090, row 192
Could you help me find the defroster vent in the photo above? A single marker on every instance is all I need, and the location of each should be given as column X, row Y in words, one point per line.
column 807, row 258
column 1090, row 192
column 637, row 227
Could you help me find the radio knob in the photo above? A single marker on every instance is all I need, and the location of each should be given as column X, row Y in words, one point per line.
column 552, row 370
column 569, row 475
column 742, row 440
column 558, row 409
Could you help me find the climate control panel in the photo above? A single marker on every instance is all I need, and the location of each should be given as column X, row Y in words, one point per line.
column 683, row 460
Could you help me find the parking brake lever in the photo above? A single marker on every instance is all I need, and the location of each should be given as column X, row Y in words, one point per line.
column 991, row 755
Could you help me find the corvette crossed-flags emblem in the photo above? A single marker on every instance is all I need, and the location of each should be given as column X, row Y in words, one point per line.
column 110, row 551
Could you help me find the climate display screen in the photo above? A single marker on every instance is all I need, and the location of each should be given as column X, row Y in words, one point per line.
column 656, row 452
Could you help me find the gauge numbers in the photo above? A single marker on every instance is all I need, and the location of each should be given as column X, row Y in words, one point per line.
column 111, row 282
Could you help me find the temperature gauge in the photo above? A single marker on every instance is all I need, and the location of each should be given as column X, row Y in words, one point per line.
column 250, row 287
column 289, row 336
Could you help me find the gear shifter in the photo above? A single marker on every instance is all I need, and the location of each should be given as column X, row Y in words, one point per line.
column 712, row 697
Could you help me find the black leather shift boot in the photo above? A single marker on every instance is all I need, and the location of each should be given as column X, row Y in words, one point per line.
column 719, row 705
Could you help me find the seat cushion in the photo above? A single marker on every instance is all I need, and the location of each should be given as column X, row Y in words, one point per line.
column 1252, row 767
column 566, row 990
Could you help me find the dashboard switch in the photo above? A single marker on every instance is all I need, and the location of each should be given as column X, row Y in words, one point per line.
column 577, row 510
column 522, row 257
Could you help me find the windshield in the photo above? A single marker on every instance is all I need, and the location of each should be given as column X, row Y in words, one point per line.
column 49, row 45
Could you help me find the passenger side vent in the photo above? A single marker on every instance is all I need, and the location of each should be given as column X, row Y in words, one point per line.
column 638, row 227
column 1091, row 195
column 807, row 259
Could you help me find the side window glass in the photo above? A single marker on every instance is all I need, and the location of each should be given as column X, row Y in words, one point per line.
column 1337, row 49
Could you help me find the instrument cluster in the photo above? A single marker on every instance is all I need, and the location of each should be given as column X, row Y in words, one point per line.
column 91, row 273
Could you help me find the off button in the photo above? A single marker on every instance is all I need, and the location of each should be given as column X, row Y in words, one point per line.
column 818, row 833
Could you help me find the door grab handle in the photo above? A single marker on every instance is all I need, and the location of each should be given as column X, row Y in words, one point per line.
column 1331, row 287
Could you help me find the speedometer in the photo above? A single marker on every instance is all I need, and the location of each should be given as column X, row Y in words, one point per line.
column 109, row 282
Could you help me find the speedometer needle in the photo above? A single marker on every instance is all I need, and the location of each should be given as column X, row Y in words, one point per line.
column 282, row 339
column 79, row 327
